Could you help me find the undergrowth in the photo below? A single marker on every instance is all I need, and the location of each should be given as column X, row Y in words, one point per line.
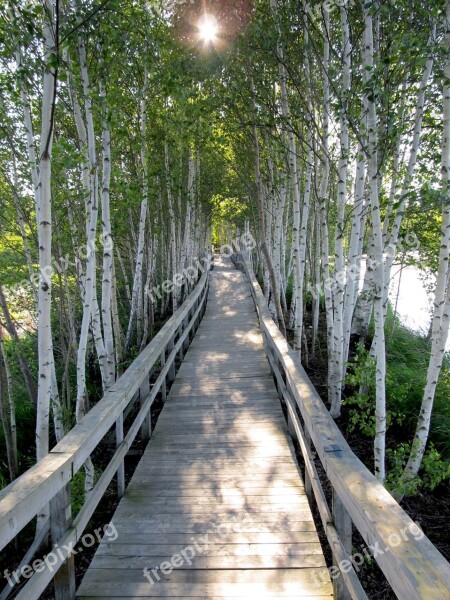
column 407, row 357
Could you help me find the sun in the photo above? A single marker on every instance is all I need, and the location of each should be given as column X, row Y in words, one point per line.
column 208, row 29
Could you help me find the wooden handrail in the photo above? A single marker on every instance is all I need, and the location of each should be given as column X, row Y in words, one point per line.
column 413, row 566
column 46, row 481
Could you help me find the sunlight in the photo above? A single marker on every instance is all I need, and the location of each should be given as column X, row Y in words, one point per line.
column 208, row 29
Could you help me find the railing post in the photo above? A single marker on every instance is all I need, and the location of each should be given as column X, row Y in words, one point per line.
column 308, row 485
column 172, row 370
column 205, row 296
column 144, row 390
column 291, row 428
column 121, row 469
column 181, row 350
column 343, row 525
column 197, row 318
column 185, row 345
column 163, row 385
column 60, row 521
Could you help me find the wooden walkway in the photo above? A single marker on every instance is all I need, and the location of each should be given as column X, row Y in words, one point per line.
column 216, row 508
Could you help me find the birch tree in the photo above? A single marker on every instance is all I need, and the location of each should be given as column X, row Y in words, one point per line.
column 376, row 250
column 441, row 304
column 45, row 346
column 137, row 283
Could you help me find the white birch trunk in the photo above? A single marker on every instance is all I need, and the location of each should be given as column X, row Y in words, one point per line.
column 172, row 228
column 118, row 334
column 45, row 348
column 8, row 416
column 126, row 284
column 137, row 284
column 441, row 313
column 354, row 252
column 339, row 281
column 261, row 218
column 323, row 203
column 293, row 171
column 108, row 249
column 316, row 285
column 377, row 246
column 190, row 203
column 31, row 146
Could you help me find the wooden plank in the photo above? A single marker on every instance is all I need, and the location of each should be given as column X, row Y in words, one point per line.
column 161, row 489
column 185, row 583
column 184, row 539
column 210, row 549
column 233, row 422
column 213, row 505
column 194, row 439
column 201, row 526
column 228, row 484
column 196, row 404
column 215, row 516
column 220, row 562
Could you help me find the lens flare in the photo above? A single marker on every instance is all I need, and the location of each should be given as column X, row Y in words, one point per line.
column 208, row 29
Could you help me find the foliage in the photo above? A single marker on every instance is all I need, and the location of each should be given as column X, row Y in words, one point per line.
column 407, row 359
column 434, row 469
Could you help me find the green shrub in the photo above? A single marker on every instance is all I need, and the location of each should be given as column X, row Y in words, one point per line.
column 407, row 354
column 434, row 470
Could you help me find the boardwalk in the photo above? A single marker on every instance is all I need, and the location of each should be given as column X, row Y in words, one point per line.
column 216, row 507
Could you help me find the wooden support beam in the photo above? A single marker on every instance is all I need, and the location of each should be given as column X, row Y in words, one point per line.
column 172, row 370
column 163, row 385
column 146, row 430
column 60, row 521
column 343, row 525
column 121, row 469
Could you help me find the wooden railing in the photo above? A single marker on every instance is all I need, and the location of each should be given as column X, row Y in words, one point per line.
column 414, row 568
column 48, row 481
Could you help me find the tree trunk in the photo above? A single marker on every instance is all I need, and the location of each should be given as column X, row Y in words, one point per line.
column 262, row 224
column 137, row 284
column 8, row 414
column 45, row 348
column 377, row 246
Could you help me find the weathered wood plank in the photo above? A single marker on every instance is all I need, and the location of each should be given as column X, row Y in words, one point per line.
column 201, row 526
column 212, row 549
column 224, row 561
column 184, row 539
column 187, row 583
column 161, row 489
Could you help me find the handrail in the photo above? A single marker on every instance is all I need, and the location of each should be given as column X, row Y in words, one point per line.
column 413, row 566
column 47, row 481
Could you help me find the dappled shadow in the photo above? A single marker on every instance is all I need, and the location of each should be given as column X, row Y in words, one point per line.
column 220, row 467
